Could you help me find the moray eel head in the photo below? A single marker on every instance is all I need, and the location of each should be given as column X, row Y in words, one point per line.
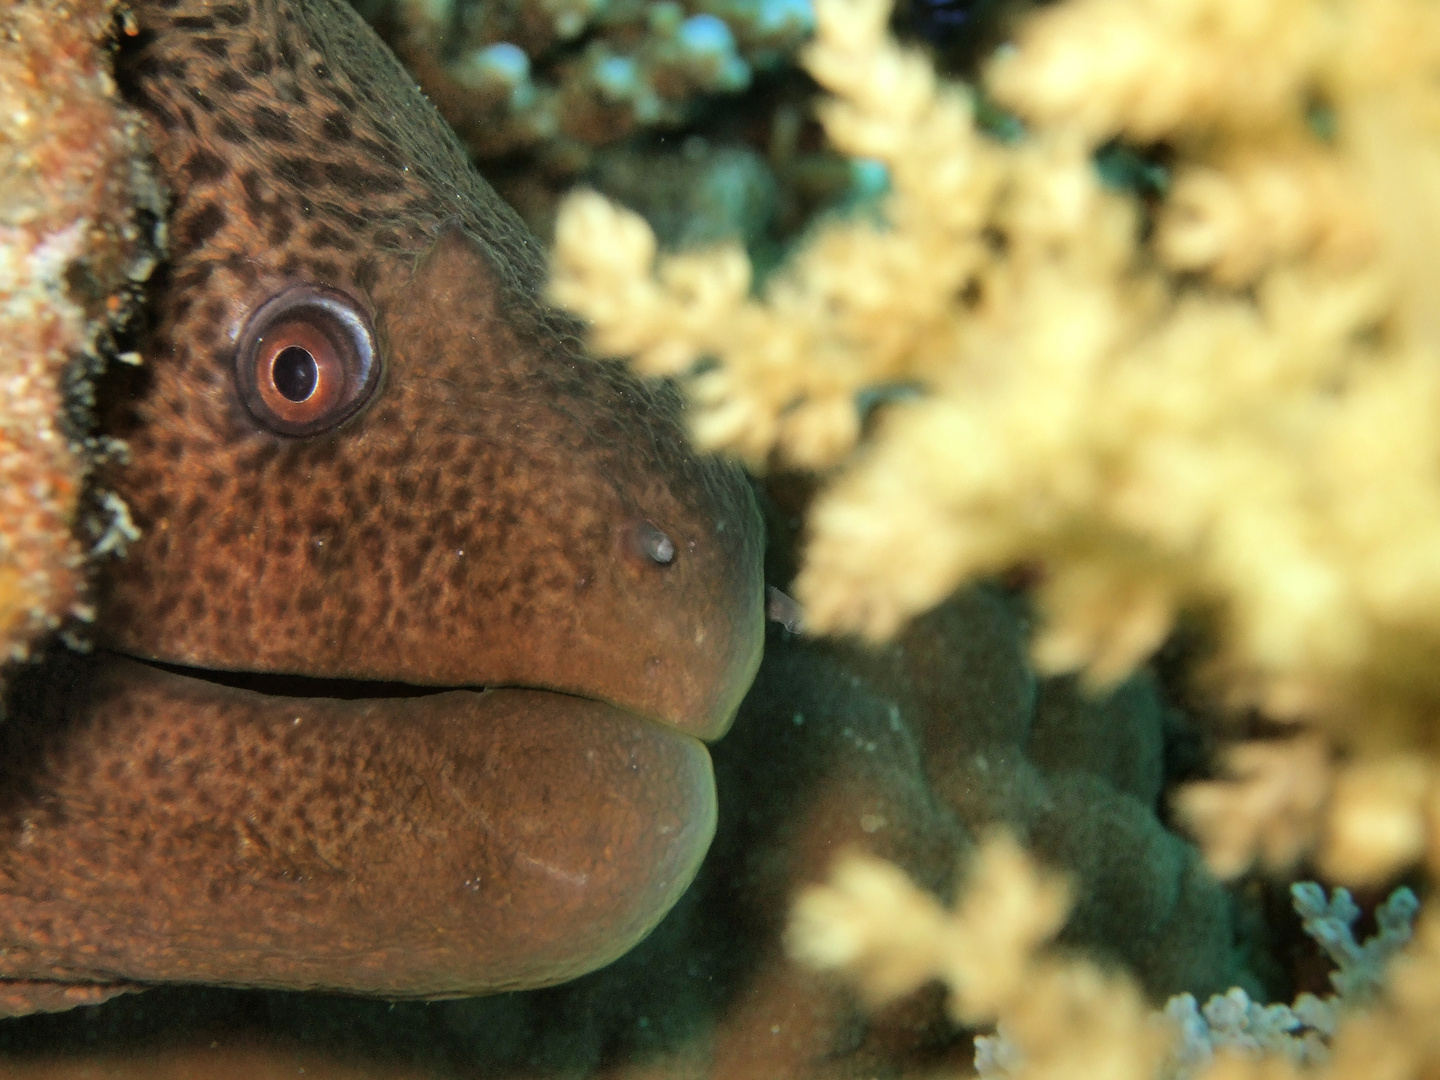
column 402, row 685
column 482, row 505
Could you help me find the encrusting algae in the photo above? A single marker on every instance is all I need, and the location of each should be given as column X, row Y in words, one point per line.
column 1210, row 391
column 78, row 209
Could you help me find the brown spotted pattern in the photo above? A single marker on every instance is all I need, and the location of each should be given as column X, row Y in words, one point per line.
column 489, row 519
column 285, row 840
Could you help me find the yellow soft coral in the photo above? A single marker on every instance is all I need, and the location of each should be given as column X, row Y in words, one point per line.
column 1222, row 400
column 1228, row 408
column 1068, row 1018
column 1059, row 1017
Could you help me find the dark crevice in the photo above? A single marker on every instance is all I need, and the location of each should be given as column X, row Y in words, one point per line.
column 304, row 686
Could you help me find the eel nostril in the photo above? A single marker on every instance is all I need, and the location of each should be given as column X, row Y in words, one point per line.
column 654, row 544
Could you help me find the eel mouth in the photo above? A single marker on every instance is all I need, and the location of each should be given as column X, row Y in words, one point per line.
column 275, row 684
column 344, row 688
column 363, row 837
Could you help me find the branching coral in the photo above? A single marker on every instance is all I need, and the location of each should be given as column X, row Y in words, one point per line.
column 77, row 211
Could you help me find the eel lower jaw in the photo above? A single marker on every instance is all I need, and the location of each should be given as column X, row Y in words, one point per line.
column 430, row 843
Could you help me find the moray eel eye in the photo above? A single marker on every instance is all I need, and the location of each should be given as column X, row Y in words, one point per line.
column 307, row 361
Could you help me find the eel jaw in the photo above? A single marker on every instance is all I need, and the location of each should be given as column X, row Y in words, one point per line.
column 447, row 843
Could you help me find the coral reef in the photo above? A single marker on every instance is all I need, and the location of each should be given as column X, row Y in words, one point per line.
column 1209, row 391
column 78, row 209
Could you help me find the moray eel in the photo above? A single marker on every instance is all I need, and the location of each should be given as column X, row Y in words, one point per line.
column 402, row 689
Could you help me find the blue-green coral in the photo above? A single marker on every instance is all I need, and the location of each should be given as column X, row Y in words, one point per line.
column 1298, row 1032
column 1235, row 1023
column 559, row 78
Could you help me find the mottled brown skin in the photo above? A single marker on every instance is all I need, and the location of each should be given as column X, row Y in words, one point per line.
column 287, row 839
column 476, row 524
column 479, row 523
